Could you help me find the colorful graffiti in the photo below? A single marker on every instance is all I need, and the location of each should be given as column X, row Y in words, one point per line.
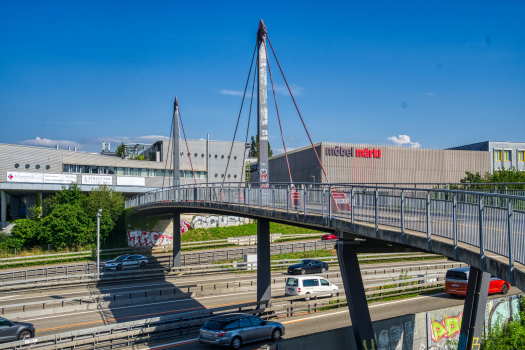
column 447, row 328
column 200, row 221
column 139, row 238
column 184, row 226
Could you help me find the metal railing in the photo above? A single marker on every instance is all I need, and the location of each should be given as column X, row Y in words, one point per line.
column 489, row 221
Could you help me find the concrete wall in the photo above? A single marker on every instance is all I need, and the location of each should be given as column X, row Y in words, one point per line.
column 491, row 146
column 422, row 331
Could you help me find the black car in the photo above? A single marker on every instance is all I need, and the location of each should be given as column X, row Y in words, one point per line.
column 308, row 266
column 13, row 331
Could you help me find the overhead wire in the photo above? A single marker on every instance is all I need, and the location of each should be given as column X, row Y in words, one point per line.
column 291, row 94
column 240, row 112
column 169, row 143
column 187, row 148
column 249, row 118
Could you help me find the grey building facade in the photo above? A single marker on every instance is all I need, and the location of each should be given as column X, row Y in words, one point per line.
column 361, row 163
column 502, row 154
column 28, row 172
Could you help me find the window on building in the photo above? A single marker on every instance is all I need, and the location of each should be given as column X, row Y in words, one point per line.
column 144, row 172
column 86, row 169
column 498, row 155
column 120, row 171
column 160, row 172
column 66, row 168
column 188, row 174
column 103, row 170
column 136, row 171
column 111, row 170
column 127, row 171
column 203, row 174
column 506, row 156
column 94, row 170
column 181, row 173
column 75, row 169
column 521, row 156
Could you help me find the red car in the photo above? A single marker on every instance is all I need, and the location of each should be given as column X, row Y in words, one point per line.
column 328, row 237
column 457, row 279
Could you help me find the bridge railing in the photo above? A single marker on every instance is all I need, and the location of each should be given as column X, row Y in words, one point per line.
column 491, row 221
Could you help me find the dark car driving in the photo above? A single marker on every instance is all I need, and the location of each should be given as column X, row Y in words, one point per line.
column 308, row 266
column 13, row 331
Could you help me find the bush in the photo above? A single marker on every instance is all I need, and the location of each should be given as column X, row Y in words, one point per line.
column 509, row 336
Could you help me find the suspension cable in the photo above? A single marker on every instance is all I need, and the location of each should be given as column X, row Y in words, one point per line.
column 239, row 117
column 186, row 141
column 278, row 117
column 169, row 143
column 326, row 176
column 249, row 118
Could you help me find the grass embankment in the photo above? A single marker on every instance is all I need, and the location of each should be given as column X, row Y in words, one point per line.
column 202, row 234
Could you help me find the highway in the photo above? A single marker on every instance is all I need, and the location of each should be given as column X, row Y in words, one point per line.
column 59, row 323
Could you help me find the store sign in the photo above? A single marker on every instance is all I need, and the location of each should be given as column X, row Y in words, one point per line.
column 96, row 180
column 131, row 181
column 41, row 178
column 351, row 152
column 25, row 177
column 60, row 178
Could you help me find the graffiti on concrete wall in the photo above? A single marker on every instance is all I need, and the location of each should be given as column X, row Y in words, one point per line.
column 201, row 221
column 140, row 238
column 397, row 337
column 449, row 328
column 184, row 226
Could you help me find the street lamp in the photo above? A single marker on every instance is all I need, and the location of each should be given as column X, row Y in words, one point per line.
column 98, row 240
column 313, row 176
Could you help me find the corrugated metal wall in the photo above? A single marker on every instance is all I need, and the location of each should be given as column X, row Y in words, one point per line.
column 396, row 165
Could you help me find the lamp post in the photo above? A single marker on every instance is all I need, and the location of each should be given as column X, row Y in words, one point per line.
column 313, row 177
column 98, row 240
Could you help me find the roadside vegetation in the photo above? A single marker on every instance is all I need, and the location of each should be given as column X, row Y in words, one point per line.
column 500, row 176
column 509, row 335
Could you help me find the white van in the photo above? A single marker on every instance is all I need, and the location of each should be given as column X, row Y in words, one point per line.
column 306, row 285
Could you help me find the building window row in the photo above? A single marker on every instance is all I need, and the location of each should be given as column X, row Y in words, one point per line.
column 209, row 156
column 110, row 170
column 506, row 155
column 188, row 174
column 521, row 156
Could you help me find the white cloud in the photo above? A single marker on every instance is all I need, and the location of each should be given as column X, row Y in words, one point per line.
column 117, row 140
column 281, row 150
column 293, row 139
column 404, row 140
column 430, row 94
column 283, row 90
column 43, row 142
column 231, row 92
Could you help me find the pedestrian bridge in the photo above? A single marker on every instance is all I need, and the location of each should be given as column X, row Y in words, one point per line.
column 485, row 230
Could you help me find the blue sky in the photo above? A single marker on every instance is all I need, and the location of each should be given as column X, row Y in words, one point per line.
column 440, row 73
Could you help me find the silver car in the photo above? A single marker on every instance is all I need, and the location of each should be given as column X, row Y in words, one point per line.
column 126, row 262
column 236, row 329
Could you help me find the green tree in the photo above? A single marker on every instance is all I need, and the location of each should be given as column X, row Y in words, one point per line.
column 25, row 233
column 254, row 147
column 68, row 225
column 499, row 176
column 112, row 204
column 121, row 150
column 140, row 157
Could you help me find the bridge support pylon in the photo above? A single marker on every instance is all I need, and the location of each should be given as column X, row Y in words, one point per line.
column 355, row 294
column 474, row 310
column 176, row 240
column 264, row 279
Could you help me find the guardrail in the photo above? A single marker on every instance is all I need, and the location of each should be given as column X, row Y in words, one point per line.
column 159, row 269
column 185, row 323
column 250, row 240
column 492, row 222
column 189, row 258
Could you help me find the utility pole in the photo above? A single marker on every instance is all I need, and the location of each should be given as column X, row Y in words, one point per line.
column 99, row 212
column 176, row 172
column 262, row 108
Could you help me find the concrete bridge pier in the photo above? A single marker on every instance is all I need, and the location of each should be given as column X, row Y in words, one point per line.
column 474, row 310
column 355, row 294
column 176, row 240
column 264, row 291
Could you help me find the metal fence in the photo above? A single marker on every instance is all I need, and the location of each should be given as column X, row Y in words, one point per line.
column 490, row 221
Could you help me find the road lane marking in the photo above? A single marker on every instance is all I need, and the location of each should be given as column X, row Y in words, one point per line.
column 173, row 344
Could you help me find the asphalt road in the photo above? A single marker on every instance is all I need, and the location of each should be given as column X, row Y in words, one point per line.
column 59, row 323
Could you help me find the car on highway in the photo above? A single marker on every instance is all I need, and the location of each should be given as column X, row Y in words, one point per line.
column 328, row 237
column 308, row 266
column 456, row 282
column 306, row 285
column 236, row 329
column 127, row 261
column 13, row 331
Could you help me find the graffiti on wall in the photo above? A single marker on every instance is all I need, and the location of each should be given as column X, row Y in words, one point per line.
column 140, row 238
column 397, row 337
column 449, row 328
column 200, row 221
column 184, row 226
